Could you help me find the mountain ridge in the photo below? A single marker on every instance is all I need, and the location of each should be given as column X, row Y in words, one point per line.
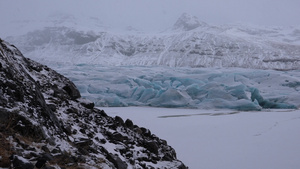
column 191, row 43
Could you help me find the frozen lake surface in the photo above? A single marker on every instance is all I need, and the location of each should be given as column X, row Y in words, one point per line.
column 227, row 139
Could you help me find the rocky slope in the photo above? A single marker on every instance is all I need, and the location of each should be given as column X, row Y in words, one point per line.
column 189, row 43
column 45, row 124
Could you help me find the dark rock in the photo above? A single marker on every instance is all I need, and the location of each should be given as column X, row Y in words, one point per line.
column 19, row 94
column 129, row 123
column 182, row 166
column 118, row 163
column 152, row 146
column 51, row 141
column 142, row 165
column 91, row 149
column 72, row 110
column 167, row 157
column 45, row 149
column 52, row 107
column 137, row 129
column 4, row 115
column 118, row 137
column 74, row 131
column 88, row 104
column 24, row 126
column 119, row 120
column 150, row 167
column 81, row 159
column 68, row 130
column 40, row 162
column 129, row 154
column 37, row 68
column 103, row 141
column 47, row 156
column 72, row 91
column 33, row 154
column 146, row 132
column 48, row 167
column 84, row 142
column 82, row 131
column 66, row 159
column 56, row 151
column 164, row 142
column 100, row 112
column 83, row 151
column 20, row 163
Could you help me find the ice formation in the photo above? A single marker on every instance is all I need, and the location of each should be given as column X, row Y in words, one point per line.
column 241, row 89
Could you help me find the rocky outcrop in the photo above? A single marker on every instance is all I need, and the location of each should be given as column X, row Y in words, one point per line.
column 45, row 124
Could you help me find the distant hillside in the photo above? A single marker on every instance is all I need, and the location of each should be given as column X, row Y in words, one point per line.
column 189, row 43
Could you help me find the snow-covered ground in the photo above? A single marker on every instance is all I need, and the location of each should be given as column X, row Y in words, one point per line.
column 214, row 139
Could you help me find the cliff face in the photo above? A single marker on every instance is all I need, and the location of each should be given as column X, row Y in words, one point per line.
column 45, row 123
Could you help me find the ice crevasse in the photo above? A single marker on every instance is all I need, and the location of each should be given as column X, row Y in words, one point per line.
column 206, row 88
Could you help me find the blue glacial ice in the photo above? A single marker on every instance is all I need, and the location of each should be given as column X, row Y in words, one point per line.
column 205, row 88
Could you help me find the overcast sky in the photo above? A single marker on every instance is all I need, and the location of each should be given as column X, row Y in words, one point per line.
column 158, row 14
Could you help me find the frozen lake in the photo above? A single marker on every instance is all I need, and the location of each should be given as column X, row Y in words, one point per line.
column 227, row 139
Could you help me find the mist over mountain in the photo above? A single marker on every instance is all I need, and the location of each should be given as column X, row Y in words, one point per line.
column 190, row 43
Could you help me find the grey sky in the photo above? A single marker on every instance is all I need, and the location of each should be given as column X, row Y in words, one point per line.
column 158, row 14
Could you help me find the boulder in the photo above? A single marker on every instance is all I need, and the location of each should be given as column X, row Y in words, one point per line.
column 19, row 162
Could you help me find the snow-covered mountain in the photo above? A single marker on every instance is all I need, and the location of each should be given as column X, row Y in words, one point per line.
column 187, row 22
column 45, row 124
column 189, row 43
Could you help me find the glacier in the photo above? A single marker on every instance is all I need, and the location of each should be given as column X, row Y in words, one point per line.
column 191, row 65
column 201, row 88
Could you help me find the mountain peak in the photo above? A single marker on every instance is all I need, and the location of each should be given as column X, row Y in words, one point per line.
column 187, row 22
